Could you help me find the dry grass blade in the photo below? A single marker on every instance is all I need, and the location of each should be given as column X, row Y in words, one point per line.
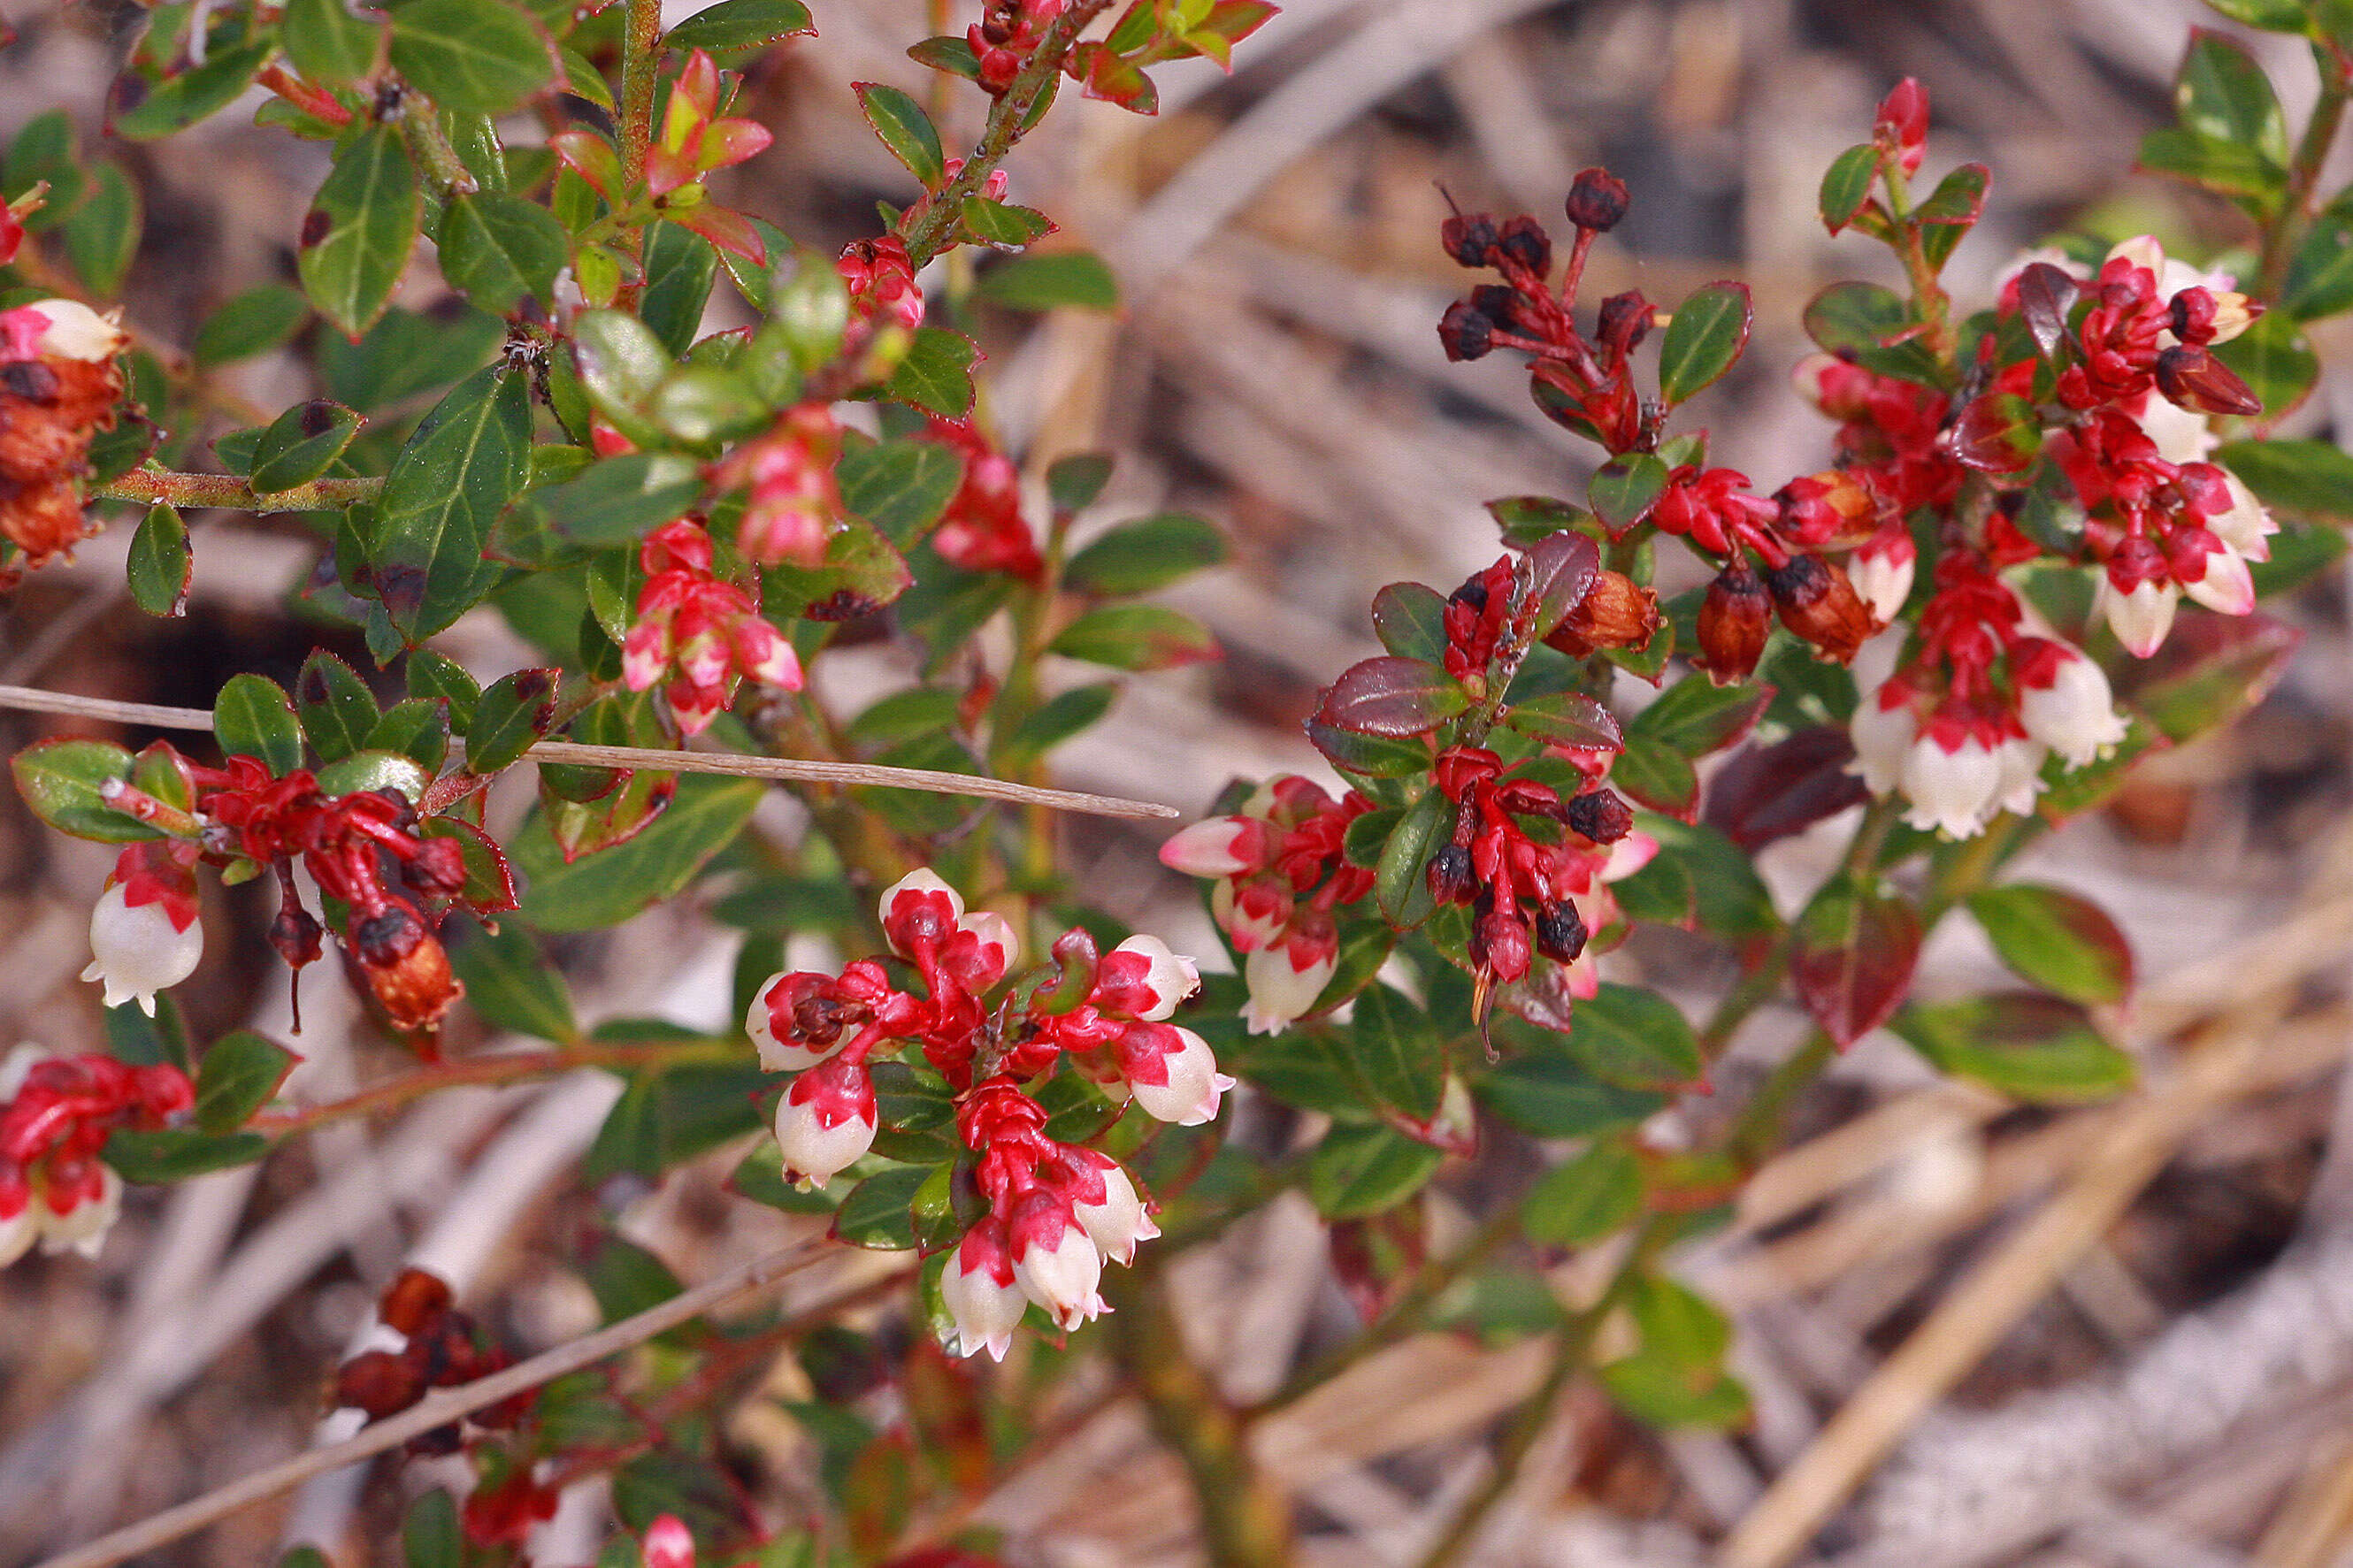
column 790, row 769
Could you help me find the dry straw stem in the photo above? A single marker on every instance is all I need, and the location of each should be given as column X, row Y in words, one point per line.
column 1996, row 1294
column 793, row 769
column 436, row 1410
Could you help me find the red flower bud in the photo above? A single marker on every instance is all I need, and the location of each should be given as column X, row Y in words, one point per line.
column 1821, row 605
column 413, row 1298
column 1902, row 127
column 2195, row 379
column 381, row 1382
column 1734, row 619
column 1597, row 200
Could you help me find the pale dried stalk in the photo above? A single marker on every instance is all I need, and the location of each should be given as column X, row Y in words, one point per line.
column 437, row 1409
column 793, row 769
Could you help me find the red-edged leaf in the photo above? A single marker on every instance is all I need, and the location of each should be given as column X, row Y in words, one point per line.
column 1658, row 776
column 728, row 229
column 1392, row 696
column 1561, row 568
column 490, row 879
column 1695, row 716
column 1767, row 792
column 591, row 157
column 2059, row 941
column 1853, row 959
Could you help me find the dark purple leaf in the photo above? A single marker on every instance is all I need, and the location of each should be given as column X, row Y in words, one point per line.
column 1767, row 792
column 1392, row 696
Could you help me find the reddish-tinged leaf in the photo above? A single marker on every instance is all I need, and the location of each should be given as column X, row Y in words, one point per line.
column 2045, row 295
column 1998, row 432
column 1561, row 569
column 730, row 142
column 1854, row 958
column 490, row 879
column 726, row 228
column 591, row 157
column 1392, row 696
column 1767, row 792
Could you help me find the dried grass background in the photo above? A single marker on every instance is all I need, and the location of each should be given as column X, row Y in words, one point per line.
column 2120, row 1335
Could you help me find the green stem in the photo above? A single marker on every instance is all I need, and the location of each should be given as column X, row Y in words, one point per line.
column 1007, row 120
column 2285, row 235
column 421, row 128
column 641, row 52
column 1928, row 293
column 151, row 486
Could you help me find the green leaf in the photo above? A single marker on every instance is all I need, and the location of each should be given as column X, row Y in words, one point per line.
column 1635, row 1039
column 102, row 235
column 160, row 563
column 1399, row 1051
column 2310, row 478
column 2221, row 92
column 1075, row 280
column 1410, row 620
column 514, row 715
column 43, row 148
column 174, row 1154
column 2320, row 282
column 2272, row 16
column 361, row 228
column 628, row 1279
column 430, row 1536
column 1623, row 490
column 1591, row 1196
column 1951, row 211
column 947, row 53
column 237, row 1077
column 61, row 781
column 1056, row 721
column 484, row 56
column 375, row 770
column 1401, row 879
column 253, row 716
column 879, row 1211
column 1846, row 186
column 1547, row 1093
column 668, row 1115
column 467, row 459
column 1566, row 718
column 616, row 500
column 1871, row 325
column 1135, row 636
column 680, row 267
column 146, row 107
column 1076, row 482
column 2228, row 168
column 407, row 352
column 904, row 127
column 899, row 487
column 2058, row 939
column 760, row 1176
column 1148, row 553
column 1657, row 776
column 302, row 444
column 499, row 250
column 1703, row 338
column 328, row 44
column 2040, row 1049
column 338, row 710
column 1677, row 1378
column 253, row 322
column 1003, row 224
column 936, row 374
column 1695, row 716
column 606, row 888
column 1357, row 1171
column 740, row 25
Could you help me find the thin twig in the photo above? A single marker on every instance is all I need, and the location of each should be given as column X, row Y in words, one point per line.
column 436, row 1410
column 795, row 769
column 191, row 492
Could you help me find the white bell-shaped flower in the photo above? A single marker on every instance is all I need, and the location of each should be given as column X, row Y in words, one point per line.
column 138, row 950
column 1190, row 1095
